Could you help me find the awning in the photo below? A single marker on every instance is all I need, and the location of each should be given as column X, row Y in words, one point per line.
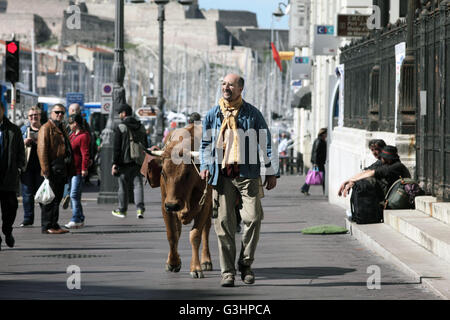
column 302, row 98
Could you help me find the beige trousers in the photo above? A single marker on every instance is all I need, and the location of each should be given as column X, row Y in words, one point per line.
column 226, row 193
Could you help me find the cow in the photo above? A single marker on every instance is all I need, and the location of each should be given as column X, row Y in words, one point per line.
column 185, row 197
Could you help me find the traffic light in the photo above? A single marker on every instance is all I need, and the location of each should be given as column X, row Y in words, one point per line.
column 12, row 61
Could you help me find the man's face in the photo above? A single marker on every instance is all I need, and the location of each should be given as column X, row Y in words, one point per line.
column 34, row 117
column 375, row 151
column 73, row 109
column 230, row 88
column 58, row 114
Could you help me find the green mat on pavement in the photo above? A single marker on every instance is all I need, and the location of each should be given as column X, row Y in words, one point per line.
column 325, row 229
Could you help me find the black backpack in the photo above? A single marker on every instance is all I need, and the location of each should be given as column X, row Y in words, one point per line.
column 365, row 202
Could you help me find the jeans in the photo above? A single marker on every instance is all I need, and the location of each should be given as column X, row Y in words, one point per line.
column 50, row 212
column 31, row 181
column 75, row 196
column 130, row 175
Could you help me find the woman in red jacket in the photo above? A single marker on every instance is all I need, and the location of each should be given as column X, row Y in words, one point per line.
column 79, row 140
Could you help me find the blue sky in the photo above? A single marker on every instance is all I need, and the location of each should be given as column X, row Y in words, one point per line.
column 262, row 8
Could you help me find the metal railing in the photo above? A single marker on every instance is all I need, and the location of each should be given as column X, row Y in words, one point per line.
column 370, row 80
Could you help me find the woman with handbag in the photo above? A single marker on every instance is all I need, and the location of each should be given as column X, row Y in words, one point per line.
column 80, row 142
column 316, row 175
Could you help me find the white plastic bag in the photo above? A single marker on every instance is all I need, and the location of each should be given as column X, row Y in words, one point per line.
column 44, row 194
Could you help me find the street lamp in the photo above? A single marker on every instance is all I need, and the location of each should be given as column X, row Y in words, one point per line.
column 279, row 12
column 108, row 185
column 158, row 133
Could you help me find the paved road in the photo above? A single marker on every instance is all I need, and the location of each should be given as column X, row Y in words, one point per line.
column 124, row 259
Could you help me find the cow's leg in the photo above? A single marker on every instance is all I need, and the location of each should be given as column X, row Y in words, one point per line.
column 173, row 263
column 195, row 239
column 206, row 256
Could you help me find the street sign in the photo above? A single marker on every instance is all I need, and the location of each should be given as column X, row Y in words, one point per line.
column 107, row 90
column 352, row 25
column 301, row 68
column 75, row 97
column 41, row 82
column 150, row 101
column 325, row 41
column 146, row 113
column 107, row 103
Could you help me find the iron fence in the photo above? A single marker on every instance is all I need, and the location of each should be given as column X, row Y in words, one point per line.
column 370, row 80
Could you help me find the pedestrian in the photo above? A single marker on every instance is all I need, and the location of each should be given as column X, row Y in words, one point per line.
column 390, row 171
column 283, row 147
column 12, row 161
column 80, row 142
column 56, row 160
column 75, row 108
column 30, row 178
column 126, row 168
column 318, row 158
column 232, row 173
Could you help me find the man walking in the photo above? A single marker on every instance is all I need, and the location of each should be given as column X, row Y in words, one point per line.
column 12, row 160
column 31, row 177
column 229, row 156
column 124, row 165
column 57, row 165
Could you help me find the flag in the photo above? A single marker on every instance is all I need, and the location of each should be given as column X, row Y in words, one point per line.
column 276, row 56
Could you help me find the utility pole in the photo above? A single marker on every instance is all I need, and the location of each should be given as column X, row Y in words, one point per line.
column 109, row 185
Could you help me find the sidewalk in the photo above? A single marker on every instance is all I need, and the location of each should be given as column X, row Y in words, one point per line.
column 125, row 258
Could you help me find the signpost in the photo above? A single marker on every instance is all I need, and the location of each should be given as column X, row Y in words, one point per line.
column 301, row 68
column 325, row 41
column 75, row 97
column 352, row 25
column 107, row 99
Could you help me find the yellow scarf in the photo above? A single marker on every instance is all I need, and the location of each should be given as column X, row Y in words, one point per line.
column 228, row 136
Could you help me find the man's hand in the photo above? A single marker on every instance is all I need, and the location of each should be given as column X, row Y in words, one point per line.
column 342, row 187
column 347, row 188
column 84, row 173
column 270, row 182
column 204, row 174
column 114, row 170
column 28, row 141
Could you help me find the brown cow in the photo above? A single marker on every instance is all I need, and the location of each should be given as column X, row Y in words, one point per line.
column 184, row 197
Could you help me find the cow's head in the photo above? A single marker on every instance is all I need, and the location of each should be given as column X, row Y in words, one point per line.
column 179, row 179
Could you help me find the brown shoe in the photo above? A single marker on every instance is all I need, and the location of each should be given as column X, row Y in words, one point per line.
column 61, row 231
column 55, row 231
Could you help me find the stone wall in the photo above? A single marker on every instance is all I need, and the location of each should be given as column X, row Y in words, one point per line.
column 22, row 24
column 92, row 30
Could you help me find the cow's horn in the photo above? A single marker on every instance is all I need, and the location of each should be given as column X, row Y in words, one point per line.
column 195, row 154
column 156, row 153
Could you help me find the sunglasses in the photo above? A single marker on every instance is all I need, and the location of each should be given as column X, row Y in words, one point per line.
column 33, row 115
column 59, row 112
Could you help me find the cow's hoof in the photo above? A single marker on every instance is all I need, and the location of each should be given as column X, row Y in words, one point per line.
column 197, row 275
column 207, row 266
column 171, row 268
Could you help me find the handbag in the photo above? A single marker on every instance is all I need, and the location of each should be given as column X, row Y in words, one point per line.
column 314, row 176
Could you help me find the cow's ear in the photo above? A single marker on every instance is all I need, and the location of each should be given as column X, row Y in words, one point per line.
column 154, row 172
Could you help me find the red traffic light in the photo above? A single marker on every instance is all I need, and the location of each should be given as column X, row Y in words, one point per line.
column 11, row 47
